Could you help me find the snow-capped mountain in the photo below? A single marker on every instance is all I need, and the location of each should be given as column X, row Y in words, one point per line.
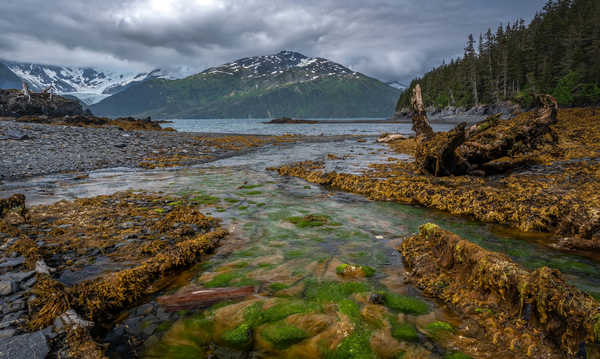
column 397, row 85
column 294, row 66
column 88, row 84
column 284, row 84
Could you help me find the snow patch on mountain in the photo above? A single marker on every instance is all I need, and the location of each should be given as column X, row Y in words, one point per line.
column 397, row 85
column 282, row 64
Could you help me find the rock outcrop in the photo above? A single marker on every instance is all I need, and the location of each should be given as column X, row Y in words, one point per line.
column 15, row 103
column 535, row 314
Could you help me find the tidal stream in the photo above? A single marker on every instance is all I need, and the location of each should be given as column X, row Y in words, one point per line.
column 291, row 240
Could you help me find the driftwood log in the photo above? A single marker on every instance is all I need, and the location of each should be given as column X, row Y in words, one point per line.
column 199, row 297
column 475, row 150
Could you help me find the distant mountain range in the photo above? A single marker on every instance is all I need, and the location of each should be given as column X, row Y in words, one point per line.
column 87, row 84
column 284, row 84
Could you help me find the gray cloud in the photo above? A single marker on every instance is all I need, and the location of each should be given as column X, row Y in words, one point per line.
column 387, row 39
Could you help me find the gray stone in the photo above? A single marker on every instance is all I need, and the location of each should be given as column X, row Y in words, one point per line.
column 26, row 346
column 144, row 309
column 17, row 276
column 7, row 287
column 15, row 134
column 12, row 262
column 7, row 333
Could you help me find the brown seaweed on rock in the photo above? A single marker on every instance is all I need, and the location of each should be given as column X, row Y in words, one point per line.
column 535, row 314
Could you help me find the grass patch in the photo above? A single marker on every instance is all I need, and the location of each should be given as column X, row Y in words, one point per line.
column 283, row 335
column 405, row 304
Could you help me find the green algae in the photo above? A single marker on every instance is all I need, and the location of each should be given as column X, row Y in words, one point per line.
column 457, row 355
column 311, row 220
column 283, row 335
column 405, row 304
column 340, row 269
column 205, row 199
column 404, row 331
column 355, row 346
column 278, row 286
column 239, row 337
column 286, row 308
column 231, row 200
column 230, row 279
column 349, row 308
column 251, row 186
column 327, row 291
column 250, row 193
column 439, row 329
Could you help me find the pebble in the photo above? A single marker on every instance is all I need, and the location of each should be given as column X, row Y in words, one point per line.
column 7, row 287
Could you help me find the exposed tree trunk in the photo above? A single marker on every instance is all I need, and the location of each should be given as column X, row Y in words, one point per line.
column 420, row 122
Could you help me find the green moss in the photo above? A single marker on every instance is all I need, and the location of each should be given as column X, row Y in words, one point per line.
column 221, row 209
column 457, row 355
column 404, row 332
column 438, row 329
column 283, row 335
column 159, row 210
column 239, row 338
column 405, row 304
column 332, row 291
column 241, row 208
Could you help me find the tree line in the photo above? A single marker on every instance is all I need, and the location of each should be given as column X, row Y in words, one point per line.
column 557, row 53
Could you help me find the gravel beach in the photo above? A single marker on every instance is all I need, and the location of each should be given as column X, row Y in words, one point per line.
column 29, row 149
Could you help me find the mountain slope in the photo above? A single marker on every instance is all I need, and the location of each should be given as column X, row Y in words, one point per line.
column 88, row 84
column 285, row 84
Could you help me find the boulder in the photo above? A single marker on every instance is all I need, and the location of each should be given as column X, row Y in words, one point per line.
column 26, row 346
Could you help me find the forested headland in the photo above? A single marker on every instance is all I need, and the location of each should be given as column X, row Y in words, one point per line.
column 557, row 53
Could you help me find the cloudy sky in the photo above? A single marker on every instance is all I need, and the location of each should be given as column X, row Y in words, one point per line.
column 386, row 39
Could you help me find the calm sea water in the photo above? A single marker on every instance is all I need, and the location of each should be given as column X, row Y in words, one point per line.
column 258, row 127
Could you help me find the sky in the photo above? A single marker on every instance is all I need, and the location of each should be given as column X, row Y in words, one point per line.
column 385, row 39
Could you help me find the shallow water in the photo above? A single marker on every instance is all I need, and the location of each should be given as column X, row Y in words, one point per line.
column 272, row 248
column 258, row 127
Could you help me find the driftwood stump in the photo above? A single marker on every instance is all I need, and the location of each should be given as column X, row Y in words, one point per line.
column 473, row 151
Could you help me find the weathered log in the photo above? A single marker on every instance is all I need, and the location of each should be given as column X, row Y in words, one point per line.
column 475, row 150
column 498, row 139
column 438, row 156
column 198, row 297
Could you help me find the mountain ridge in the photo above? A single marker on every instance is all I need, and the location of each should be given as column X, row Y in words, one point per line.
column 284, row 84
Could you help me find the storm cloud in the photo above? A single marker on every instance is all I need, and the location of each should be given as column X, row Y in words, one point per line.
column 386, row 39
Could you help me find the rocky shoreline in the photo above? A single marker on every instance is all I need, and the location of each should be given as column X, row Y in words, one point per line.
column 457, row 115
column 32, row 149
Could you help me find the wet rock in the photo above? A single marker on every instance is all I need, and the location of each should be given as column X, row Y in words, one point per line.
column 26, row 346
column 13, row 134
column 17, row 276
column 7, row 333
column 7, row 287
column 42, row 268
